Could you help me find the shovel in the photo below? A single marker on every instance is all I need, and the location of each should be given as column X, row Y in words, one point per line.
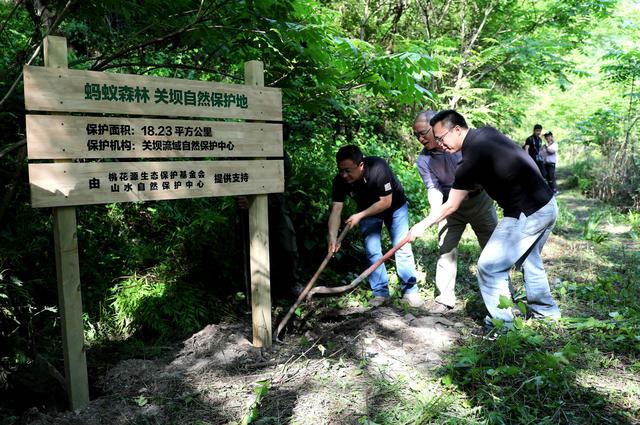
column 363, row 275
column 307, row 288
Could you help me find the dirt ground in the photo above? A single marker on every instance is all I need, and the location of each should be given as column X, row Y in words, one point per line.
column 327, row 374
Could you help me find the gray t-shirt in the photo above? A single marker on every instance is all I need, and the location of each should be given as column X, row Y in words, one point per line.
column 438, row 169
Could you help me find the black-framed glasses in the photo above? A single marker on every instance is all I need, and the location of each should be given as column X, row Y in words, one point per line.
column 440, row 139
column 423, row 133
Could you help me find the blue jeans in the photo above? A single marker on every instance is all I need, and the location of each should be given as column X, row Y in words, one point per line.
column 518, row 241
column 398, row 226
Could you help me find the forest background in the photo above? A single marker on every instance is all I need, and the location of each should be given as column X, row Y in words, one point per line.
column 351, row 72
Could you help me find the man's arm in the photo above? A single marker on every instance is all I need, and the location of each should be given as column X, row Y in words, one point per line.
column 456, row 196
column 552, row 148
column 334, row 225
column 435, row 198
column 376, row 208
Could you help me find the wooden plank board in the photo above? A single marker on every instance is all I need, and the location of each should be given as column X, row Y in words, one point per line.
column 66, row 90
column 65, row 136
column 72, row 183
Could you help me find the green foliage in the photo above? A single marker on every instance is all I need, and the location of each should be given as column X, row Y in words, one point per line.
column 601, row 128
column 524, row 376
column 15, row 306
column 633, row 218
column 584, row 173
column 533, row 374
column 261, row 390
column 591, row 229
column 566, row 220
column 157, row 304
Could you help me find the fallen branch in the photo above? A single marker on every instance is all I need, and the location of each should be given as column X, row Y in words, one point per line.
column 12, row 146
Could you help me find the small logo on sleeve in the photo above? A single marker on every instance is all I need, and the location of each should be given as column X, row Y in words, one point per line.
column 387, row 186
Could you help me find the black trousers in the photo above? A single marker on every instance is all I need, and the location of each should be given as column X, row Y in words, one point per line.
column 550, row 175
column 543, row 170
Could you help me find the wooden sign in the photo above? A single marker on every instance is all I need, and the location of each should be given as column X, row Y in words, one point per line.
column 72, row 183
column 66, row 137
column 66, row 90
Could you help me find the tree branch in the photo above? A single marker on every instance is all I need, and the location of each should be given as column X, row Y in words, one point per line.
column 171, row 66
column 475, row 36
column 102, row 62
column 443, row 13
column 6, row 21
column 52, row 28
column 5, row 150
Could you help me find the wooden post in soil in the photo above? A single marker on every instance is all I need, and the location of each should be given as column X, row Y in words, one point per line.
column 68, row 271
column 259, row 243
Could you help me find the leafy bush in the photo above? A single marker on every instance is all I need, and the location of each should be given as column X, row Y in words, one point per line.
column 584, row 172
column 633, row 218
column 566, row 219
column 157, row 304
column 591, row 229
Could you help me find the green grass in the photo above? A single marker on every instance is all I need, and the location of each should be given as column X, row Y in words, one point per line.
column 583, row 369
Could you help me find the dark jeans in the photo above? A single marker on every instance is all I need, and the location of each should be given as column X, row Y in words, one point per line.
column 550, row 175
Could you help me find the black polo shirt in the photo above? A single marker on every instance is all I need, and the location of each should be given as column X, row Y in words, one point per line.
column 535, row 143
column 507, row 173
column 378, row 180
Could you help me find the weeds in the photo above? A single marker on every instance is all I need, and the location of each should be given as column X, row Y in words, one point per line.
column 591, row 229
column 261, row 390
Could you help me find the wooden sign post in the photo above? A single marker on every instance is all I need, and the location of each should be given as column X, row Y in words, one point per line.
column 259, row 243
column 65, row 237
column 123, row 146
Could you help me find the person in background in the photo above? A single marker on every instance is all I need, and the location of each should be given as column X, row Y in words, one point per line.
column 533, row 145
column 512, row 179
column 380, row 200
column 550, row 155
column 437, row 169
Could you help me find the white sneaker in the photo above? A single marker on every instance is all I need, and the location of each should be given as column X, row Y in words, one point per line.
column 413, row 299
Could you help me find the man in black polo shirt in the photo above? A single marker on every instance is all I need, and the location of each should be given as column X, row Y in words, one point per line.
column 533, row 146
column 380, row 199
column 510, row 176
column 437, row 169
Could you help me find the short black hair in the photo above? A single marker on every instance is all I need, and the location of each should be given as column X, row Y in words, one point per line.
column 548, row 133
column 450, row 118
column 537, row 127
column 351, row 152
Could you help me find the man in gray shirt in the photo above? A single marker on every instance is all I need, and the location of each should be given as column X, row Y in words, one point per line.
column 437, row 169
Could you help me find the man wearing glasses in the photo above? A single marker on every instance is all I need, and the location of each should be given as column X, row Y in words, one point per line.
column 380, row 199
column 511, row 177
column 437, row 169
